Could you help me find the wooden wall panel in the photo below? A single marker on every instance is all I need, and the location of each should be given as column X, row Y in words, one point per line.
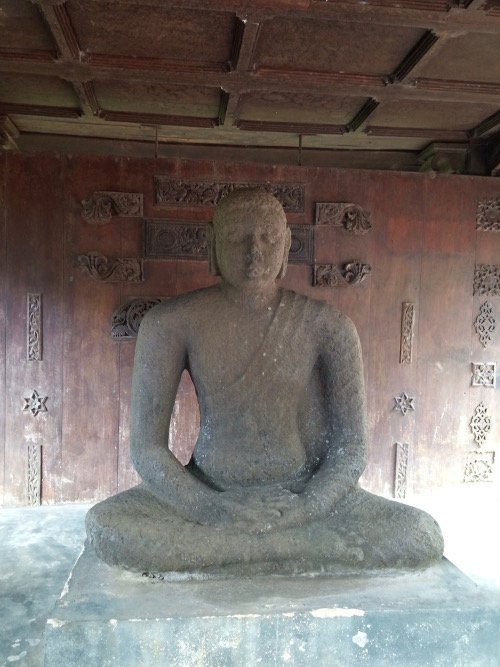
column 34, row 265
column 91, row 371
column 444, row 334
column 422, row 249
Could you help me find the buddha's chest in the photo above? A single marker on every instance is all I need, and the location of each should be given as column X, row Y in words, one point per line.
column 256, row 347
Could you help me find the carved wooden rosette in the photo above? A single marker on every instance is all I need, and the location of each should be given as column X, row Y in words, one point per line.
column 101, row 206
column 401, row 470
column 208, row 193
column 487, row 279
column 350, row 275
column 407, row 324
column 488, row 215
column 342, row 214
column 485, row 323
column 126, row 319
column 34, row 474
column 480, row 424
column 483, row 375
column 112, row 270
column 34, row 327
column 165, row 239
column 479, row 466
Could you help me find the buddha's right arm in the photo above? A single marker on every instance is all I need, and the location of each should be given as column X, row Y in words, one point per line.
column 160, row 358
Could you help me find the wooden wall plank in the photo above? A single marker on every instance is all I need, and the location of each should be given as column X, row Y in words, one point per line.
column 91, row 358
column 444, row 334
column 34, row 264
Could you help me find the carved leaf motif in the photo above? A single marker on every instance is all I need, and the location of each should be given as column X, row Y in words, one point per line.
column 488, row 215
column 100, row 207
column 351, row 217
column 205, row 193
column 121, row 269
column 126, row 320
column 329, row 275
column 356, row 272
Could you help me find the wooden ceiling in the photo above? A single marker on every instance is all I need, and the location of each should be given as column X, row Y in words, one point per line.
column 408, row 85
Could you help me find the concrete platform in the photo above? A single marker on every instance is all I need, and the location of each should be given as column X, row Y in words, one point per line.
column 109, row 617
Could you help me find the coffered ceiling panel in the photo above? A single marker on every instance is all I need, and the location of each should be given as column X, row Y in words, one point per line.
column 378, row 83
column 297, row 107
column 148, row 31
column 23, row 28
column 438, row 115
column 329, row 46
column 471, row 57
column 38, row 90
column 144, row 97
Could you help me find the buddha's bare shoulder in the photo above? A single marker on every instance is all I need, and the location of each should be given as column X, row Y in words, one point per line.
column 180, row 311
column 325, row 320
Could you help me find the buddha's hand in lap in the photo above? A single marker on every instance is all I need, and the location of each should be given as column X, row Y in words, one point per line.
column 263, row 509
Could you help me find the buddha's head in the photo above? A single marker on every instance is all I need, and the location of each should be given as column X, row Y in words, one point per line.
column 250, row 239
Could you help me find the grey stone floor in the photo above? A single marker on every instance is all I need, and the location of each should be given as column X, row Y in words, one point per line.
column 38, row 547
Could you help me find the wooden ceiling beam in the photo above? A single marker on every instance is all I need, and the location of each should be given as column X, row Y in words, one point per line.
column 363, row 115
column 421, row 51
column 245, row 36
column 341, row 10
column 61, row 29
column 8, row 134
column 268, row 80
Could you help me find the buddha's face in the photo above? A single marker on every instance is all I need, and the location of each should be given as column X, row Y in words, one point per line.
column 251, row 246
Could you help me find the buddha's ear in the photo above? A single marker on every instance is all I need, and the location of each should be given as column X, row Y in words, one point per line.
column 213, row 267
column 288, row 243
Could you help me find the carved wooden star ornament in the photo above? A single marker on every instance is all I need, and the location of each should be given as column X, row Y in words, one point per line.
column 35, row 403
column 404, row 403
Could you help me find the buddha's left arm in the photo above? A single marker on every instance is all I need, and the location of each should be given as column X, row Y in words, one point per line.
column 345, row 453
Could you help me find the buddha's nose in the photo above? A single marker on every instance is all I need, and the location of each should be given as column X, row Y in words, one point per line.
column 254, row 253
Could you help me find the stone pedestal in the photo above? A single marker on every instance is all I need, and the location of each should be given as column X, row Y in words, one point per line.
column 109, row 617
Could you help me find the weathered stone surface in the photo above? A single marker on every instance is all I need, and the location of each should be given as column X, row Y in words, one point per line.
column 107, row 616
column 272, row 483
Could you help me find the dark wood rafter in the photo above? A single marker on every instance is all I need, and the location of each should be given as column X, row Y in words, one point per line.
column 157, row 119
column 443, row 135
column 8, row 133
column 363, row 115
column 474, row 87
column 38, row 110
column 487, row 126
column 413, row 58
column 58, row 21
column 223, row 105
column 246, row 34
column 265, row 79
column 432, row 15
column 162, row 65
column 88, row 98
column 295, row 128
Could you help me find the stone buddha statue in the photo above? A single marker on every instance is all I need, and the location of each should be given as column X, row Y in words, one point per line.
column 272, row 484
